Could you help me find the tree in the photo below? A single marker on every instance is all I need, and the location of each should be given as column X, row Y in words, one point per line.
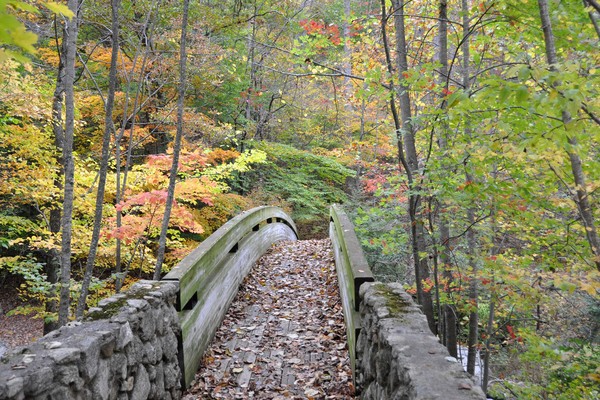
column 102, row 174
column 177, row 146
column 16, row 42
column 144, row 51
column 408, row 132
column 582, row 198
column 70, row 31
column 471, row 236
column 53, row 258
column 448, row 321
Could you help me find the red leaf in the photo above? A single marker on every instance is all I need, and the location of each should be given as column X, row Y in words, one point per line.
column 511, row 332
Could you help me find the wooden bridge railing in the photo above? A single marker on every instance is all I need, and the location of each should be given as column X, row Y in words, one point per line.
column 210, row 276
column 352, row 271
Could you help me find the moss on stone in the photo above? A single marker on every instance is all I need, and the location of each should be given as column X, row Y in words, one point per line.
column 397, row 305
column 113, row 308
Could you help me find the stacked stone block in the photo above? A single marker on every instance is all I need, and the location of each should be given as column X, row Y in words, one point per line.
column 127, row 348
column 397, row 355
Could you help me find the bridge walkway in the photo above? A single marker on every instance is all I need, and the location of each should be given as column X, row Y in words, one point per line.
column 284, row 334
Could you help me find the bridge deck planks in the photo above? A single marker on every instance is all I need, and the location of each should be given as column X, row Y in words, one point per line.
column 283, row 337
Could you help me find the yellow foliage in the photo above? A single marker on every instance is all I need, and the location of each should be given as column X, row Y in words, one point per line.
column 220, row 156
column 49, row 55
column 28, row 165
column 25, row 95
column 223, row 208
column 194, row 190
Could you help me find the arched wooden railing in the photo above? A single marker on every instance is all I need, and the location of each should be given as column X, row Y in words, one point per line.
column 210, row 276
column 352, row 271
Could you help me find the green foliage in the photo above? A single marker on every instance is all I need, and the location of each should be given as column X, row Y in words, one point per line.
column 380, row 230
column 380, row 222
column 15, row 39
column 309, row 182
column 552, row 371
column 241, row 164
column 35, row 289
column 13, row 33
column 14, row 226
column 577, row 375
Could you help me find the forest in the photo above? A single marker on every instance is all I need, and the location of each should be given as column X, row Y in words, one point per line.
column 461, row 136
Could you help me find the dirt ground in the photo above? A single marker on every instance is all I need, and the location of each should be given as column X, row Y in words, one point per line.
column 15, row 329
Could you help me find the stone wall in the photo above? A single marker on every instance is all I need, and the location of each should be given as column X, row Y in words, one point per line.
column 398, row 357
column 124, row 349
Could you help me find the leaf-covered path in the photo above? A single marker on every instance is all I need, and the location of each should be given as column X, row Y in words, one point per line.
column 284, row 335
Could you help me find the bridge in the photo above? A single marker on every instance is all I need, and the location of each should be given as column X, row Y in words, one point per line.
column 307, row 322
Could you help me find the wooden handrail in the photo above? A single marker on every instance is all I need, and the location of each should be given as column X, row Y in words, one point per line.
column 352, row 271
column 209, row 277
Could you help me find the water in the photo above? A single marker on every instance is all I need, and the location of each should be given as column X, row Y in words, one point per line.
column 462, row 358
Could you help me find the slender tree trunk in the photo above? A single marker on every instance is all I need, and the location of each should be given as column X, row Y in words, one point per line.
column 473, row 337
column 361, row 137
column 436, row 270
column 473, row 291
column 53, row 259
column 402, row 163
column 594, row 17
column 177, row 146
column 70, row 36
column 449, row 318
column 487, row 356
column 53, row 268
column 251, row 109
column 419, row 244
column 108, row 130
column 118, row 197
column 451, row 333
column 130, row 119
column 347, row 54
column 593, row 3
column 582, row 198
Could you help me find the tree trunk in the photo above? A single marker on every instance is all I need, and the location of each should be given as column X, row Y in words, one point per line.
column 487, row 351
column 177, row 146
column 70, row 37
column 473, row 336
column 108, row 130
column 53, row 268
column 402, row 163
column 53, row 258
column 449, row 318
column 485, row 379
column 473, row 289
column 130, row 120
column 581, row 197
column 251, row 110
column 347, row 67
column 419, row 243
column 594, row 17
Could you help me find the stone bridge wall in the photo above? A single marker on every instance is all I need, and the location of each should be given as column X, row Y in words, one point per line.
column 128, row 349
column 397, row 357
column 125, row 349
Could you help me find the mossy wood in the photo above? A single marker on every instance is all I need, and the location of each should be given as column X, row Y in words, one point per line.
column 352, row 271
column 209, row 277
